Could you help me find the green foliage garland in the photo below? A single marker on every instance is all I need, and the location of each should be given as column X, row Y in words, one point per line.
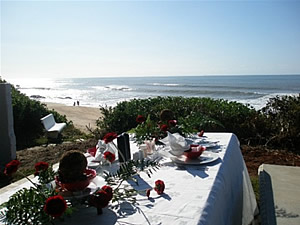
column 26, row 207
column 128, row 171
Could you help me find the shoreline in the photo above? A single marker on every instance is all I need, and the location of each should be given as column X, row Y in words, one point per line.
column 81, row 116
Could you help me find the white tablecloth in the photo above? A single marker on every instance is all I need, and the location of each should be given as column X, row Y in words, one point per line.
column 216, row 193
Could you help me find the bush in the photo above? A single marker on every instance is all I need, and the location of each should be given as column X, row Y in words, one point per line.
column 283, row 122
column 276, row 125
column 27, row 114
column 200, row 113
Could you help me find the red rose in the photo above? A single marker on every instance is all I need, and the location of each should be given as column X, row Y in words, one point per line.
column 11, row 167
column 108, row 190
column 40, row 166
column 172, row 123
column 92, row 151
column 109, row 156
column 201, row 133
column 140, row 119
column 100, row 199
column 164, row 127
column 109, row 137
column 55, row 206
column 159, row 187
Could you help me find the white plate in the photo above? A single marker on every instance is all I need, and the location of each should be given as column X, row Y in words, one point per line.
column 205, row 157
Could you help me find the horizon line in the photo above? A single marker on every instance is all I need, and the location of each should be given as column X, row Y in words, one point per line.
column 141, row 76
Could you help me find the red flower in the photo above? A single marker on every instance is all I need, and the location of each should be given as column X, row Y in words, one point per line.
column 40, row 166
column 109, row 137
column 100, row 199
column 164, row 127
column 11, row 167
column 108, row 190
column 92, row 151
column 55, row 206
column 172, row 123
column 140, row 119
column 148, row 192
column 109, row 156
column 201, row 133
column 159, row 187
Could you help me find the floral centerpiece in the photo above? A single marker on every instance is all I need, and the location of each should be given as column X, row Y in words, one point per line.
column 47, row 201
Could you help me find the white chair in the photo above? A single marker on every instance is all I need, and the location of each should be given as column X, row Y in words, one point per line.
column 53, row 129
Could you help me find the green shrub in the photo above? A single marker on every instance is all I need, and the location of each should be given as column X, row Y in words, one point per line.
column 200, row 113
column 283, row 122
column 276, row 125
column 27, row 114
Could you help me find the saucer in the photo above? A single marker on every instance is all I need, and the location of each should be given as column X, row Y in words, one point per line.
column 205, row 157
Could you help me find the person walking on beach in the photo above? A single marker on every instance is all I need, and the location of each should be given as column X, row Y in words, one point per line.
column 74, row 103
column 77, row 102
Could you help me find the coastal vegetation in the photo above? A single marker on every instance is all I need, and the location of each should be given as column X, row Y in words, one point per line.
column 27, row 125
column 277, row 125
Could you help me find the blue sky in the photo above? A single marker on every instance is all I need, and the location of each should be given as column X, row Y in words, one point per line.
column 146, row 38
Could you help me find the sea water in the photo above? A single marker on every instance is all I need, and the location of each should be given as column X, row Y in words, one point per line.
column 255, row 90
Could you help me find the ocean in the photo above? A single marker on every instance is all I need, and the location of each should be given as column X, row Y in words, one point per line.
column 93, row 92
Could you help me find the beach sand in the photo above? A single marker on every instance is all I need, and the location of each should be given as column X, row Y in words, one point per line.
column 80, row 115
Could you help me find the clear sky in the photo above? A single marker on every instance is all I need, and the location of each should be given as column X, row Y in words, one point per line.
column 140, row 38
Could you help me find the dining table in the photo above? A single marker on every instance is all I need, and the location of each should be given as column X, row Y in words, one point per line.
column 214, row 189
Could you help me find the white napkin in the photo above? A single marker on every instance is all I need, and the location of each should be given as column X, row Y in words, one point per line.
column 177, row 143
column 102, row 148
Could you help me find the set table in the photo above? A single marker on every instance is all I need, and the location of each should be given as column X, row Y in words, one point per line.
column 219, row 192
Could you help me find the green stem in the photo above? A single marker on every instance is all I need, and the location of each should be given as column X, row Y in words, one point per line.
column 35, row 185
column 117, row 188
column 30, row 181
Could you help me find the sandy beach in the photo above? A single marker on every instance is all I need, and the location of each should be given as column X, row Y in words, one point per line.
column 80, row 115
